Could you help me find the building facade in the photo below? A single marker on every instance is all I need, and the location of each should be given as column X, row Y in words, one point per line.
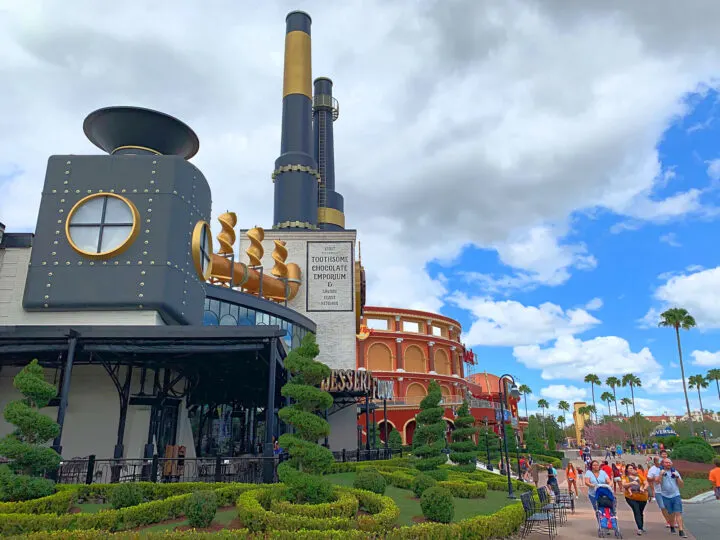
column 410, row 348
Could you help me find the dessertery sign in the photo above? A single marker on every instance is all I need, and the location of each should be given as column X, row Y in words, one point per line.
column 329, row 276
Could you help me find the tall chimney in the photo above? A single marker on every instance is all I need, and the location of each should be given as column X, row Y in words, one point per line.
column 296, row 177
column 325, row 111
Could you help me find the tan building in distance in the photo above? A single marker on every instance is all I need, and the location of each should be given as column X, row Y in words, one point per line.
column 579, row 420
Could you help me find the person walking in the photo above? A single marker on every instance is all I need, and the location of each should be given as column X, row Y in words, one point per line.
column 654, row 491
column 635, row 489
column 616, row 476
column 571, row 475
column 595, row 477
column 714, row 477
column 607, row 453
column 670, row 482
column 535, row 472
column 552, row 480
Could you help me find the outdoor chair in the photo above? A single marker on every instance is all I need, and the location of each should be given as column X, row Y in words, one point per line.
column 547, row 505
column 567, row 499
column 535, row 520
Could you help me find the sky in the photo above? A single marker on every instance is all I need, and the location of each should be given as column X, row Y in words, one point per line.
column 546, row 172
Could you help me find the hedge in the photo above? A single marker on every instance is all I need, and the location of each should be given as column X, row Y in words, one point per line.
column 502, row 524
column 465, row 489
column 122, row 519
column 58, row 503
column 252, row 511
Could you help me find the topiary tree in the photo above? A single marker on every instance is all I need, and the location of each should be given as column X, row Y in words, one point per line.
column 429, row 437
column 374, row 436
column 395, row 440
column 25, row 446
column 464, row 449
column 302, row 472
column 487, row 439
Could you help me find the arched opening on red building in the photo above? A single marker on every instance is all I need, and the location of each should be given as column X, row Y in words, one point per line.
column 409, row 432
column 381, row 428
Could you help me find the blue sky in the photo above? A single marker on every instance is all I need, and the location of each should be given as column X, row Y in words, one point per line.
column 633, row 260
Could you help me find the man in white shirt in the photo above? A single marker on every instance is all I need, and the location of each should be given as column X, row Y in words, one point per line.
column 653, row 475
column 668, row 484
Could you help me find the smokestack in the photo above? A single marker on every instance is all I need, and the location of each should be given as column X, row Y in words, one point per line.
column 296, row 177
column 325, row 111
column 134, row 130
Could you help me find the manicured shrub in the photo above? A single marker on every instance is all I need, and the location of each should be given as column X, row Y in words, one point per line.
column 26, row 446
column 429, row 437
column 437, row 505
column 464, row 449
column 694, row 449
column 370, row 480
column 422, row 482
column 21, row 487
column 395, row 440
column 200, row 509
column 308, row 460
column 125, row 495
column 438, row 474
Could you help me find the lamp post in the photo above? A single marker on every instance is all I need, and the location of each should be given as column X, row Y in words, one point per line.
column 514, row 393
column 487, row 444
column 517, row 451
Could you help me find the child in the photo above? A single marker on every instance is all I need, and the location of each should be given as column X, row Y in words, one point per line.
column 714, row 477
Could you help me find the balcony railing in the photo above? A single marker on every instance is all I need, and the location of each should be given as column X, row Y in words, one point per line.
column 414, row 401
column 483, row 404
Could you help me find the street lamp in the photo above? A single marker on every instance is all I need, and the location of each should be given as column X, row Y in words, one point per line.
column 514, row 393
column 487, row 444
column 517, row 451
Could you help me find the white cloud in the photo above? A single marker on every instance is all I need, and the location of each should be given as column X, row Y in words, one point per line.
column 557, row 128
column 663, row 386
column 572, row 358
column 652, row 407
column 539, row 258
column 670, row 239
column 594, row 304
column 510, row 323
column 698, row 292
column 562, row 391
column 713, row 169
column 706, row 358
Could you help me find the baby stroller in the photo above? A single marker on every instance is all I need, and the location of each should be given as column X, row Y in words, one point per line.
column 606, row 512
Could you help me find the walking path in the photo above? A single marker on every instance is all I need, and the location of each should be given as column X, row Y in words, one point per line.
column 582, row 524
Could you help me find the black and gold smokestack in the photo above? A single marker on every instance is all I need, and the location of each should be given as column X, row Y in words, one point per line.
column 325, row 111
column 296, row 177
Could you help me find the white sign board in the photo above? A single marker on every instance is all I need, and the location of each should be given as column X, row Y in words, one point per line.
column 330, row 273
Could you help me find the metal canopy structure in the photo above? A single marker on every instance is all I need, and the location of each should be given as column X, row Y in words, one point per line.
column 202, row 364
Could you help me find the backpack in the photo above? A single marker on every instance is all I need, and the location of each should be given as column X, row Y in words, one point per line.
column 604, row 501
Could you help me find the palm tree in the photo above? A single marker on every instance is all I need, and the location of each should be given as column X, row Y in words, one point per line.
column 561, row 421
column 614, row 382
column 543, row 404
column 699, row 382
column 608, row 397
column 564, row 406
column 714, row 375
column 627, row 402
column 593, row 380
column 525, row 390
column 678, row 318
column 591, row 409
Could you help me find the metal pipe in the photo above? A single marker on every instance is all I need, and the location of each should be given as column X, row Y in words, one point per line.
column 67, row 375
column 511, row 494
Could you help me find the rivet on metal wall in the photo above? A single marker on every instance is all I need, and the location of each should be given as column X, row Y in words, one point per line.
column 44, row 263
column 140, row 295
column 53, row 253
column 67, row 163
column 55, row 242
column 92, row 263
column 145, row 252
column 142, row 273
column 79, row 263
column 142, row 284
column 54, row 190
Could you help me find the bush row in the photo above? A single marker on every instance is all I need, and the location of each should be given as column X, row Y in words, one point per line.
column 465, row 489
column 116, row 520
column 255, row 512
column 58, row 503
column 501, row 524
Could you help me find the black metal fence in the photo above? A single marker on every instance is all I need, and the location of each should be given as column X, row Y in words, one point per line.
column 245, row 469
column 250, row 469
column 363, row 455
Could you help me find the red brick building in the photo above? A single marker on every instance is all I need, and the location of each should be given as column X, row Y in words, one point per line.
column 411, row 348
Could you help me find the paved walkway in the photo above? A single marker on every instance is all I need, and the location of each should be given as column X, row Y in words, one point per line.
column 583, row 524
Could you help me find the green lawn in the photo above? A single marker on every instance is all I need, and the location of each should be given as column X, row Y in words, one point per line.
column 695, row 486
column 410, row 506
column 92, row 508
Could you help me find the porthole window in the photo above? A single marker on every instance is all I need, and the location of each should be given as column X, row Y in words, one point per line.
column 202, row 249
column 102, row 225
